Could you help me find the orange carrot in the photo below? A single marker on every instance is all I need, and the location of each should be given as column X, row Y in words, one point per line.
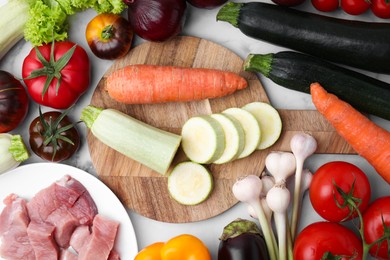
column 142, row 84
column 368, row 139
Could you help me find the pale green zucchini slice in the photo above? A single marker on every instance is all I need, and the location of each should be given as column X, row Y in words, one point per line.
column 251, row 129
column 190, row 183
column 234, row 138
column 203, row 139
column 269, row 121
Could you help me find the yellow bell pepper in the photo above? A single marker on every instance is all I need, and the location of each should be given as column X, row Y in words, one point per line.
column 182, row 247
column 151, row 252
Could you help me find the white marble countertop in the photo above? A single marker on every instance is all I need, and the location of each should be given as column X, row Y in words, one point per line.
column 200, row 23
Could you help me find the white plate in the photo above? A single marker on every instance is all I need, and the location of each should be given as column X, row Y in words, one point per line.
column 27, row 180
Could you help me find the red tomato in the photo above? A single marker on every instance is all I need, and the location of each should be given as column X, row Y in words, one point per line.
column 355, row 7
column 381, row 8
column 374, row 226
column 321, row 237
column 325, row 5
column 74, row 75
column 323, row 192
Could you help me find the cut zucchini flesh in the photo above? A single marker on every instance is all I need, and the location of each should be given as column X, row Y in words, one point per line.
column 251, row 129
column 234, row 137
column 269, row 121
column 190, row 183
column 203, row 139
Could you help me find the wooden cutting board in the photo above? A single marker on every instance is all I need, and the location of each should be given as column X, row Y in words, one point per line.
column 144, row 190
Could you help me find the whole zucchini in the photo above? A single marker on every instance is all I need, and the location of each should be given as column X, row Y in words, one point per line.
column 364, row 45
column 297, row 71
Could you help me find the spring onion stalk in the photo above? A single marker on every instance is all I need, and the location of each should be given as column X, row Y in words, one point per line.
column 278, row 199
column 268, row 182
column 14, row 15
column 302, row 145
column 281, row 165
column 248, row 190
column 12, row 152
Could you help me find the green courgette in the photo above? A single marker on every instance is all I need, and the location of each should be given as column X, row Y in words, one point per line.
column 141, row 142
column 297, row 71
column 364, row 45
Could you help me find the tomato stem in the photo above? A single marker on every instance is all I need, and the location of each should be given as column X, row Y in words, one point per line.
column 108, row 32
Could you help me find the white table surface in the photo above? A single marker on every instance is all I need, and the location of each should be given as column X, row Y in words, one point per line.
column 201, row 23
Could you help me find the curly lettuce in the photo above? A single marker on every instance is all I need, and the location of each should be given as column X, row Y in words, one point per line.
column 48, row 18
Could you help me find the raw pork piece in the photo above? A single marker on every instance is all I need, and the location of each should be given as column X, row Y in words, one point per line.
column 14, row 221
column 42, row 240
column 80, row 238
column 102, row 239
column 67, row 254
column 114, row 255
column 65, row 204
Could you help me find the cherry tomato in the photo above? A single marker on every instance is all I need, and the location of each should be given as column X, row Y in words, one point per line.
column 355, row 7
column 381, row 8
column 327, row 237
column 61, row 78
column 323, row 191
column 325, row 5
column 109, row 36
column 13, row 102
column 375, row 218
column 53, row 136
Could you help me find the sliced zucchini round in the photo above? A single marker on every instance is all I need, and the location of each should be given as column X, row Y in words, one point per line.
column 203, row 139
column 234, row 138
column 190, row 183
column 269, row 121
column 251, row 129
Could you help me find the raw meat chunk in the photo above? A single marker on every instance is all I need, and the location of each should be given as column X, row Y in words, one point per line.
column 14, row 221
column 102, row 239
column 42, row 240
column 80, row 238
column 65, row 204
column 67, row 254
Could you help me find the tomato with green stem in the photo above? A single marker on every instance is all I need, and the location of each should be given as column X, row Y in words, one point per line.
column 109, row 36
column 334, row 185
column 376, row 221
column 56, row 74
column 53, row 136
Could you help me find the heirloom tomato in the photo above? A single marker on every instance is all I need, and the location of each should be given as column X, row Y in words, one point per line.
column 329, row 180
column 56, row 74
column 376, row 221
column 109, row 36
column 327, row 240
column 53, row 136
column 13, row 102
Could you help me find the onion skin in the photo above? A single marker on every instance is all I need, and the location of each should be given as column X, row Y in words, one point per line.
column 207, row 4
column 156, row 20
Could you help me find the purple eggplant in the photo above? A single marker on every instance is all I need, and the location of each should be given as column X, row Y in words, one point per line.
column 242, row 240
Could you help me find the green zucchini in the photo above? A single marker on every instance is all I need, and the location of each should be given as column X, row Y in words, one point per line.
column 364, row 45
column 141, row 142
column 297, row 71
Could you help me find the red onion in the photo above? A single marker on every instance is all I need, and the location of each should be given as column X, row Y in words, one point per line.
column 156, row 20
column 208, row 4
